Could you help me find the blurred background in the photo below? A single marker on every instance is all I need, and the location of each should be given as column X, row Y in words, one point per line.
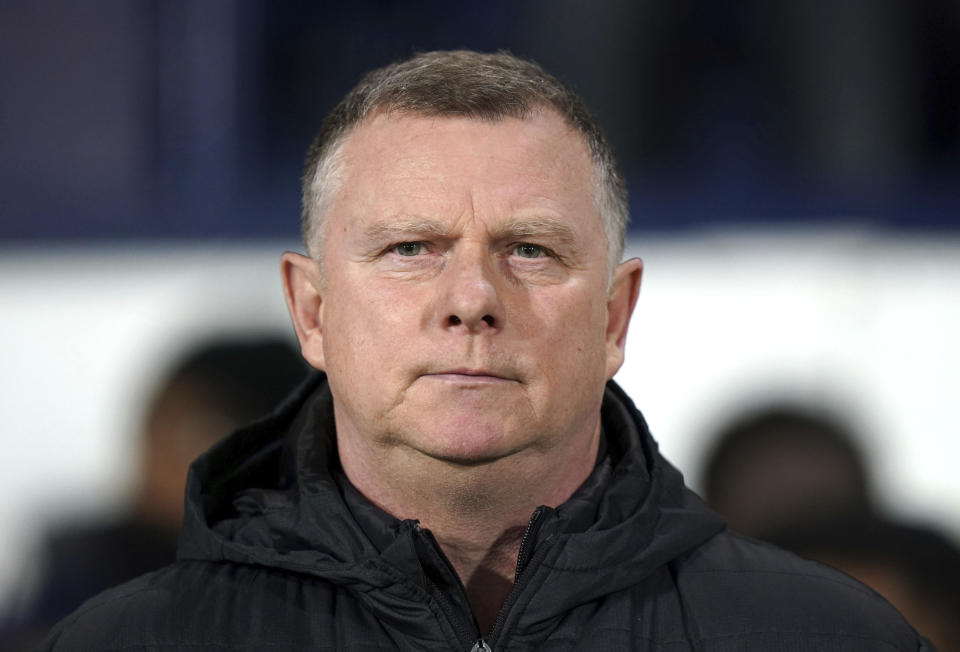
column 794, row 170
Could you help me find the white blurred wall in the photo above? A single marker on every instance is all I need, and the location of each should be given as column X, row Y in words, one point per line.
column 866, row 324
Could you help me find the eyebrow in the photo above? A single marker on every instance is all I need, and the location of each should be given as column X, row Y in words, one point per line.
column 538, row 228
column 513, row 229
column 400, row 228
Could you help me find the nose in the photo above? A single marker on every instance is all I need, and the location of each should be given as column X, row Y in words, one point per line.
column 470, row 297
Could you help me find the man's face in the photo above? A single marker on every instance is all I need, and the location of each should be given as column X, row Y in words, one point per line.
column 463, row 309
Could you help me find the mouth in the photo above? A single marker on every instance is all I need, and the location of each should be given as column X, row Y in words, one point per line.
column 469, row 376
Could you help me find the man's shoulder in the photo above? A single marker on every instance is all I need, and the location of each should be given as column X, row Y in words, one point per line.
column 97, row 623
column 140, row 612
column 187, row 605
column 740, row 588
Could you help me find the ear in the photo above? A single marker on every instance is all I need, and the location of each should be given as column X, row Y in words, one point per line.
column 302, row 289
column 624, row 290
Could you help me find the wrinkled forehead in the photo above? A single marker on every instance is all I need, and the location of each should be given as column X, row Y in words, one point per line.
column 411, row 148
column 406, row 163
column 409, row 127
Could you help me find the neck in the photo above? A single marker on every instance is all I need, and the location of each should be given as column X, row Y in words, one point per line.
column 477, row 513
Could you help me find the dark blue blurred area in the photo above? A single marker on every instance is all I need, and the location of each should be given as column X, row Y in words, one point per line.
column 126, row 119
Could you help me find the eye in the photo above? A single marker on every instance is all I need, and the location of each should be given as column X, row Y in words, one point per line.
column 408, row 248
column 526, row 250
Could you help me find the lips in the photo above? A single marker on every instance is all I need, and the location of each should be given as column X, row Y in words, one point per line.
column 469, row 376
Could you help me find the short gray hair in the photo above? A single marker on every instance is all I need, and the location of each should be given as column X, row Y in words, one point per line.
column 459, row 83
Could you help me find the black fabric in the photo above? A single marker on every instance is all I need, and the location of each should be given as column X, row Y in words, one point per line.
column 279, row 552
column 80, row 561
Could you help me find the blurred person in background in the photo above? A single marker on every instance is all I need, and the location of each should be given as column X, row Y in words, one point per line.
column 798, row 479
column 780, row 465
column 465, row 474
column 210, row 391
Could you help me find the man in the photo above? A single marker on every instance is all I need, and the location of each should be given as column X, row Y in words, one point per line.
column 464, row 476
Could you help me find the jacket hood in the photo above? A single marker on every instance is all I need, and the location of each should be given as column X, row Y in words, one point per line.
column 272, row 494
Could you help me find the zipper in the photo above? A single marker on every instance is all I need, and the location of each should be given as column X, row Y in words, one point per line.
column 523, row 560
column 480, row 646
column 526, row 543
column 465, row 631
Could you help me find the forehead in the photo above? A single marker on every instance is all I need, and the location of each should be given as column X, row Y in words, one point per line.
column 410, row 163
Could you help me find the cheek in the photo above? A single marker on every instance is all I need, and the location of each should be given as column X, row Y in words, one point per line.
column 568, row 329
column 367, row 327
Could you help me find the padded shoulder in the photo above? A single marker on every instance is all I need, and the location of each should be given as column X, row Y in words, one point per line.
column 101, row 623
column 738, row 589
column 198, row 605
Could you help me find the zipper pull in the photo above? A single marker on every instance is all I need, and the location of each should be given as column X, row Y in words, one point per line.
column 480, row 646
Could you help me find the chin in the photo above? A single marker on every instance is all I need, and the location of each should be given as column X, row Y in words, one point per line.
column 465, row 441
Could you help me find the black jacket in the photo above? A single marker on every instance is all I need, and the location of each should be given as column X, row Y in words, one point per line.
column 279, row 552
